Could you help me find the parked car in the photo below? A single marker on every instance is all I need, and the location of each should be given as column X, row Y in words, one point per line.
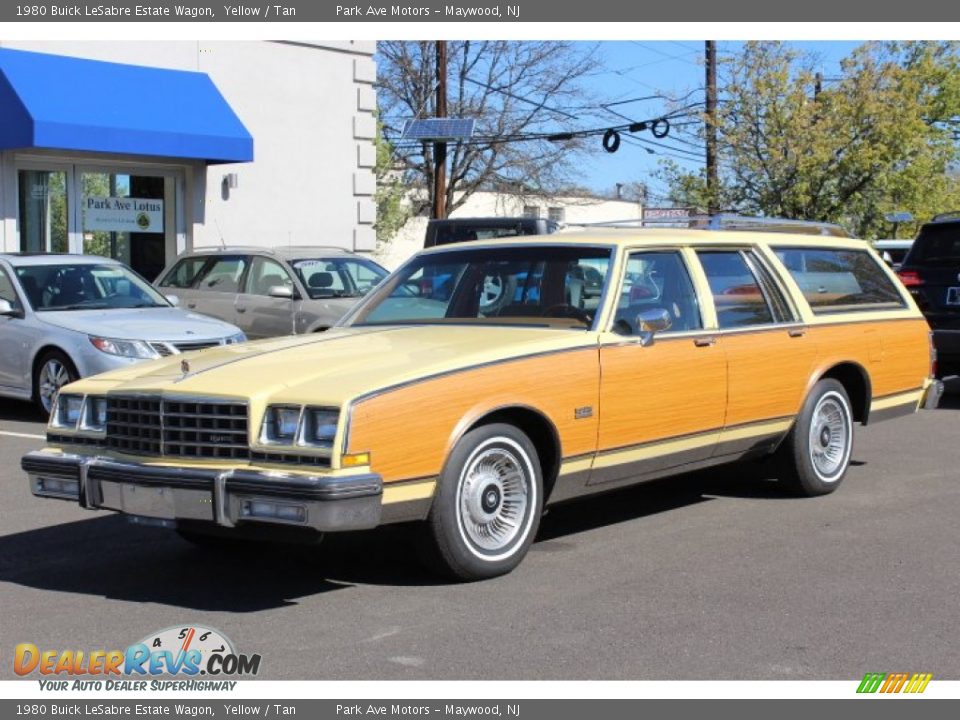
column 63, row 317
column 426, row 407
column 454, row 230
column 931, row 271
column 893, row 251
column 283, row 291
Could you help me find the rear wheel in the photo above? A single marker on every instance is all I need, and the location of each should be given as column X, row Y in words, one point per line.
column 815, row 456
column 53, row 371
column 488, row 504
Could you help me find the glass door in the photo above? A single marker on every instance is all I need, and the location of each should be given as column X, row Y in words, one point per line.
column 128, row 216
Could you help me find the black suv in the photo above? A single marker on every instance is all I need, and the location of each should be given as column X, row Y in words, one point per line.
column 931, row 271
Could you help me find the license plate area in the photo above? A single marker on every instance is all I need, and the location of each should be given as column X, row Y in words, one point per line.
column 953, row 296
column 156, row 502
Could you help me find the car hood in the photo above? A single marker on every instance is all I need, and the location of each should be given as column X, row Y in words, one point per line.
column 336, row 366
column 152, row 324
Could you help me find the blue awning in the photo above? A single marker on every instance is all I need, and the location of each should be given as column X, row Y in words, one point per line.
column 65, row 103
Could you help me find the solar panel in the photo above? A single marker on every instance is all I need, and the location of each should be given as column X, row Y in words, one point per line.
column 436, row 129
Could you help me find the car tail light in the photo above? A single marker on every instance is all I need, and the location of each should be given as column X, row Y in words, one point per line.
column 910, row 278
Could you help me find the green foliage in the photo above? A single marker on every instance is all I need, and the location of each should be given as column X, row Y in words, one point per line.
column 880, row 138
column 392, row 211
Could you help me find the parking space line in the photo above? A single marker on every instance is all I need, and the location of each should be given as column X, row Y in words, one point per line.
column 22, row 435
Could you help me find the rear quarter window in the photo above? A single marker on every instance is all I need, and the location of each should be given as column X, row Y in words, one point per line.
column 184, row 273
column 840, row 280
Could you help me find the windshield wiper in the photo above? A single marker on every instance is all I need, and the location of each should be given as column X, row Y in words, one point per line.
column 79, row 306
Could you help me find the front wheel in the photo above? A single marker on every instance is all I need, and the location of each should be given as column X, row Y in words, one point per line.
column 488, row 504
column 815, row 456
column 53, row 372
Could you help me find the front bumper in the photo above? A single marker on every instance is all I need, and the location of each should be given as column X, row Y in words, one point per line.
column 226, row 498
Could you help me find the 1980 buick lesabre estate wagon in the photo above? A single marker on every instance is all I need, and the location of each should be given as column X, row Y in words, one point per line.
column 481, row 382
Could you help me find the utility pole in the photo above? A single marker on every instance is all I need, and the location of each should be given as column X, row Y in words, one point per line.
column 440, row 148
column 712, row 184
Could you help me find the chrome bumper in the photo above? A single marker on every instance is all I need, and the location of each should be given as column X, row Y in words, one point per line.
column 932, row 393
column 226, row 498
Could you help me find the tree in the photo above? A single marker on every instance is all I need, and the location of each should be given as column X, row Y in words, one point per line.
column 392, row 211
column 510, row 88
column 879, row 138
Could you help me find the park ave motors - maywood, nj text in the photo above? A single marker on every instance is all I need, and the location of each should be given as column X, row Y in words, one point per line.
column 421, row 710
column 185, row 11
column 454, row 11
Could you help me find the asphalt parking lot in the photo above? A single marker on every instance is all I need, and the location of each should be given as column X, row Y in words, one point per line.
column 716, row 575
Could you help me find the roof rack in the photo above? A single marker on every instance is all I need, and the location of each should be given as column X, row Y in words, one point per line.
column 269, row 250
column 944, row 217
column 725, row 221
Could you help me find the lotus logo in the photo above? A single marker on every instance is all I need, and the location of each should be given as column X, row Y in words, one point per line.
column 184, row 367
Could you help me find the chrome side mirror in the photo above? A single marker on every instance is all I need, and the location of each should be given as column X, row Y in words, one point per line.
column 173, row 300
column 650, row 322
column 7, row 309
column 281, row 291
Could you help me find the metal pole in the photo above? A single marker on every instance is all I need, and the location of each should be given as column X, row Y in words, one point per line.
column 440, row 148
column 712, row 183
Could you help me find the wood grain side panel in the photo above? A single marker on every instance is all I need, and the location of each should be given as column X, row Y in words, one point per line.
column 669, row 389
column 410, row 430
column 895, row 354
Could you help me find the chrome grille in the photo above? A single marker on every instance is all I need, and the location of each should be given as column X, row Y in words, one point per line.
column 165, row 349
column 177, row 428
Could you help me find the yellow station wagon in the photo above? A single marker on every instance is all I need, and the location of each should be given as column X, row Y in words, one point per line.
column 481, row 382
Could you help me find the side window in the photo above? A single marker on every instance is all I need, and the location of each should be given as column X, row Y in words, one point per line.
column 364, row 277
column 184, row 273
column 657, row 280
column 223, row 275
column 840, row 280
column 7, row 292
column 737, row 295
column 265, row 274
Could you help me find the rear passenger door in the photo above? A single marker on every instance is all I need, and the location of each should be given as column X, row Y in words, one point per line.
column 258, row 314
column 215, row 290
column 769, row 355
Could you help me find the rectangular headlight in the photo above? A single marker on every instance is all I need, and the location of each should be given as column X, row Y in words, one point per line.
column 280, row 424
column 320, row 427
column 95, row 414
column 66, row 413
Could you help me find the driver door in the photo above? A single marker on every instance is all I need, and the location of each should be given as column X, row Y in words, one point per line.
column 662, row 405
column 259, row 314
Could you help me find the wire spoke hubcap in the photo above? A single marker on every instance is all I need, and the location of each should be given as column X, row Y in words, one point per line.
column 494, row 499
column 830, row 437
column 53, row 376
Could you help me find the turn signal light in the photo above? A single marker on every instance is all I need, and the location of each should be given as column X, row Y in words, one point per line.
column 910, row 278
column 355, row 460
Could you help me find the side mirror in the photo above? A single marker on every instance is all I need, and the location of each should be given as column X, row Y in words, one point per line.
column 173, row 300
column 650, row 322
column 6, row 309
column 281, row 291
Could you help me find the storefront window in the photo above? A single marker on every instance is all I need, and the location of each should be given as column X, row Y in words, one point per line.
column 42, row 196
column 123, row 217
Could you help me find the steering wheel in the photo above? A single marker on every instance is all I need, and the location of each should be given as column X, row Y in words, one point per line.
column 565, row 310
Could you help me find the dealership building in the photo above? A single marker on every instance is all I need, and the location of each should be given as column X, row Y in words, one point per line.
column 140, row 151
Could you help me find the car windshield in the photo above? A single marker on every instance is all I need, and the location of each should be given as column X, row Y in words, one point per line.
column 537, row 285
column 85, row 286
column 338, row 277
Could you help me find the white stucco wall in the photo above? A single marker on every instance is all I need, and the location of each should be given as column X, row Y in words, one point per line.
column 309, row 107
column 491, row 204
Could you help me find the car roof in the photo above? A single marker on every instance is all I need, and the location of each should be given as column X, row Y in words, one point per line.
column 37, row 259
column 653, row 237
column 286, row 252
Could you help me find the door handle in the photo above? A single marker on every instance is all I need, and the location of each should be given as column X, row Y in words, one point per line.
column 241, row 309
column 191, row 305
column 797, row 332
column 704, row 341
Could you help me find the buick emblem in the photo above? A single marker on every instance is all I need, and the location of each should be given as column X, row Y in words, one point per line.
column 184, row 367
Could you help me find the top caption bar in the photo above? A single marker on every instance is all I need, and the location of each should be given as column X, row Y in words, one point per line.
column 511, row 11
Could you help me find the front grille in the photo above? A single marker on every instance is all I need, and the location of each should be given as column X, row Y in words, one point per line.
column 165, row 349
column 177, row 428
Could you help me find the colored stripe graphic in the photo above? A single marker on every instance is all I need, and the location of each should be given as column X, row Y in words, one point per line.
column 894, row 682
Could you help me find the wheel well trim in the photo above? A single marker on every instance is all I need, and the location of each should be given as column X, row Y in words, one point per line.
column 35, row 363
column 864, row 410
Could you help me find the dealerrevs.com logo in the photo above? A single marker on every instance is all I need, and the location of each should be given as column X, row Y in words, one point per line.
column 888, row 683
column 179, row 652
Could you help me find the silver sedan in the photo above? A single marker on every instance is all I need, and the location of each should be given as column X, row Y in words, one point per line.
column 63, row 317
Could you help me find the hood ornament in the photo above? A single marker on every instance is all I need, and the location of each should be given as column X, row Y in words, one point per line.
column 184, row 367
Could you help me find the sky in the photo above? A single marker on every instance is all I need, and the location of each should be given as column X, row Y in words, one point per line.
column 639, row 69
